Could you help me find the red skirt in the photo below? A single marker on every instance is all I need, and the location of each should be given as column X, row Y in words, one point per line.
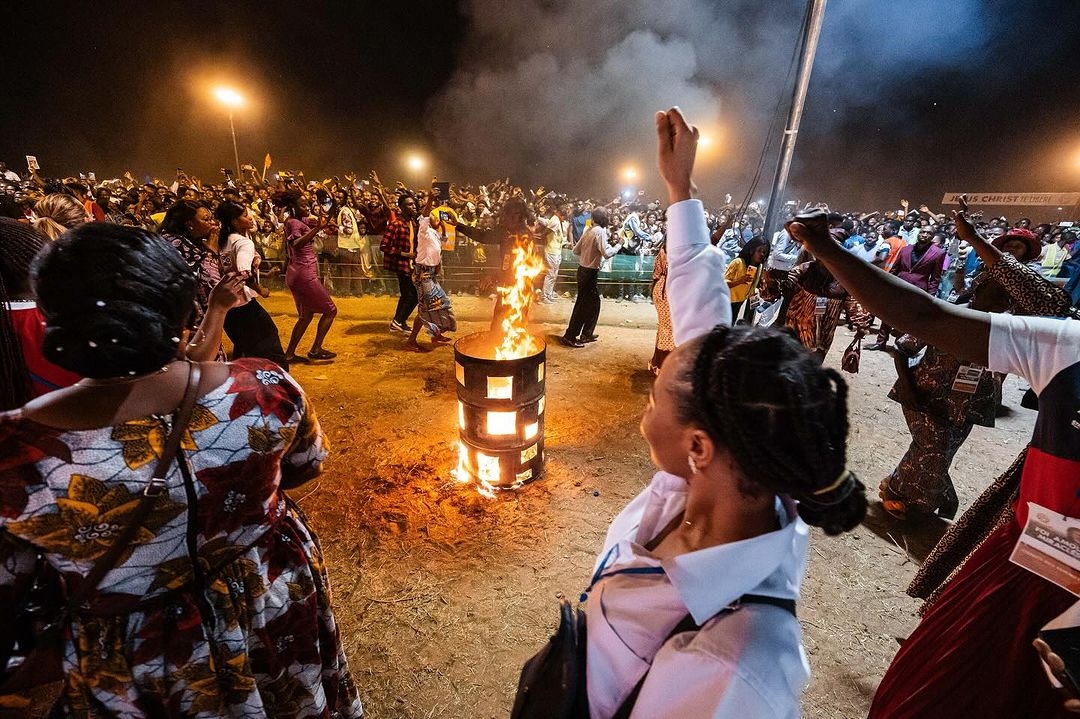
column 971, row 656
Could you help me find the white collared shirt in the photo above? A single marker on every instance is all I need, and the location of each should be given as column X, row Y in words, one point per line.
column 696, row 291
column 746, row 663
column 428, row 244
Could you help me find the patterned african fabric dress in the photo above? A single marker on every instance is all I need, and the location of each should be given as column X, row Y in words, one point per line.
column 243, row 628
column 1031, row 294
column 665, row 340
column 816, row 304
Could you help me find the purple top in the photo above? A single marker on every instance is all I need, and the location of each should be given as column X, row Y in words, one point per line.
column 302, row 257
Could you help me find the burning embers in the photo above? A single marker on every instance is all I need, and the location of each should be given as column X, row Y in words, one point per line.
column 500, row 388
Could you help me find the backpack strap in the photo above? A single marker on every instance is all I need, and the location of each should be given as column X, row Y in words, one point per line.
column 688, row 624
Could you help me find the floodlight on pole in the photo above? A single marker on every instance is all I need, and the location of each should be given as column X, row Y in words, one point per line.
column 415, row 163
column 231, row 99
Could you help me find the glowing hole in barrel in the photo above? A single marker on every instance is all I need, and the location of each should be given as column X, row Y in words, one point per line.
column 531, row 429
column 502, row 422
column 487, row 468
column 500, row 387
column 461, row 414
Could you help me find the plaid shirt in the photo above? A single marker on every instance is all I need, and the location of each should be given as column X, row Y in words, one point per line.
column 398, row 238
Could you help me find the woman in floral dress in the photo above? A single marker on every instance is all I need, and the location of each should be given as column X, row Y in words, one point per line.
column 221, row 606
column 816, row 303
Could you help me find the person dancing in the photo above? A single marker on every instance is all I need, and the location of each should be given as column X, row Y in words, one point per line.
column 596, row 245
column 302, row 277
column 690, row 612
column 220, row 608
column 433, row 309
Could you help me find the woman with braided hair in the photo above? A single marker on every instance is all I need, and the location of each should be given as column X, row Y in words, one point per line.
column 691, row 610
column 220, row 605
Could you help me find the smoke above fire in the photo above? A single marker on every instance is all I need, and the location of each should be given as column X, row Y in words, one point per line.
column 562, row 91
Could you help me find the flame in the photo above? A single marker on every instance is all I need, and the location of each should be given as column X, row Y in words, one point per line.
column 516, row 299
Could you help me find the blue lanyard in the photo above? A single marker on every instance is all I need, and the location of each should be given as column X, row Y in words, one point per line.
column 599, row 573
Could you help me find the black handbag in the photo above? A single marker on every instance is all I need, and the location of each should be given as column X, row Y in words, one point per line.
column 552, row 684
column 30, row 688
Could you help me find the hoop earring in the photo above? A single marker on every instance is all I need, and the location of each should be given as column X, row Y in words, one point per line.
column 693, row 464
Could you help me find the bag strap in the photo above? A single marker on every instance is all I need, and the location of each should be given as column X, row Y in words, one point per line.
column 688, row 624
column 154, row 488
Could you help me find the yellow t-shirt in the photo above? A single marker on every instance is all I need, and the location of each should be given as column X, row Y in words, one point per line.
column 736, row 269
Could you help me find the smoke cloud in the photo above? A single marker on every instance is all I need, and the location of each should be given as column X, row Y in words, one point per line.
column 561, row 92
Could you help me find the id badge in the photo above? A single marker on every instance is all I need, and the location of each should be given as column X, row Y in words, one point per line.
column 967, row 378
column 820, row 305
column 1050, row 547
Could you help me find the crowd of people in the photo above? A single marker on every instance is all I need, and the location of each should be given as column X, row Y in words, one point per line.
column 119, row 418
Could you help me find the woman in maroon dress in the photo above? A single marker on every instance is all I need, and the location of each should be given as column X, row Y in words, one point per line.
column 302, row 277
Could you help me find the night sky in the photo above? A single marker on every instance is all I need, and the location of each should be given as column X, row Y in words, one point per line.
column 908, row 99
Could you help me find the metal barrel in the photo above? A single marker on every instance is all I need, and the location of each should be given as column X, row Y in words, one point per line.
column 500, row 413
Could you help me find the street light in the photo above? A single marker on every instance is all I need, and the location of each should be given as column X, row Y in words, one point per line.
column 415, row 163
column 630, row 174
column 231, row 99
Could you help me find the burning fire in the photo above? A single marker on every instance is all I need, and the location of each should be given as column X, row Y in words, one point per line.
column 513, row 341
column 528, row 265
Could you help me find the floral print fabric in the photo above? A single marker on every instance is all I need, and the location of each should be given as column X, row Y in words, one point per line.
column 246, row 629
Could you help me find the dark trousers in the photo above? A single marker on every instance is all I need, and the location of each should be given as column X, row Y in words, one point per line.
column 254, row 334
column 407, row 298
column 586, row 306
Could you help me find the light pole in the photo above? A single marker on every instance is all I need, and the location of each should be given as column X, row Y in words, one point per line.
column 415, row 163
column 231, row 99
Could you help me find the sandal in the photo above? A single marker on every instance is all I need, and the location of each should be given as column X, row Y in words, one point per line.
column 413, row 347
column 889, row 503
column 296, row 359
column 321, row 355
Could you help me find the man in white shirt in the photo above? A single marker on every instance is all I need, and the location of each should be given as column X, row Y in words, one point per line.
column 595, row 245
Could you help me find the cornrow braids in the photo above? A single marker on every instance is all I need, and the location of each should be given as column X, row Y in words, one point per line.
column 758, row 393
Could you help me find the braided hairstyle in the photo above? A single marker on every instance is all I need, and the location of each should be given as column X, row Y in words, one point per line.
column 57, row 213
column 759, row 394
column 115, row 300
column 18, row 246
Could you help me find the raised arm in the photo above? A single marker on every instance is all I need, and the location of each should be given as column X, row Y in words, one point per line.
column 696, row 290
column 962, row 332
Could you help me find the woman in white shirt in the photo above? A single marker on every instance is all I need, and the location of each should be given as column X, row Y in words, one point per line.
column 433, row 310
column 691, row 609
column 249, row 326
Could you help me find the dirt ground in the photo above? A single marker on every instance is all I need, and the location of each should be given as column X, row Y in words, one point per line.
column 441, row 594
